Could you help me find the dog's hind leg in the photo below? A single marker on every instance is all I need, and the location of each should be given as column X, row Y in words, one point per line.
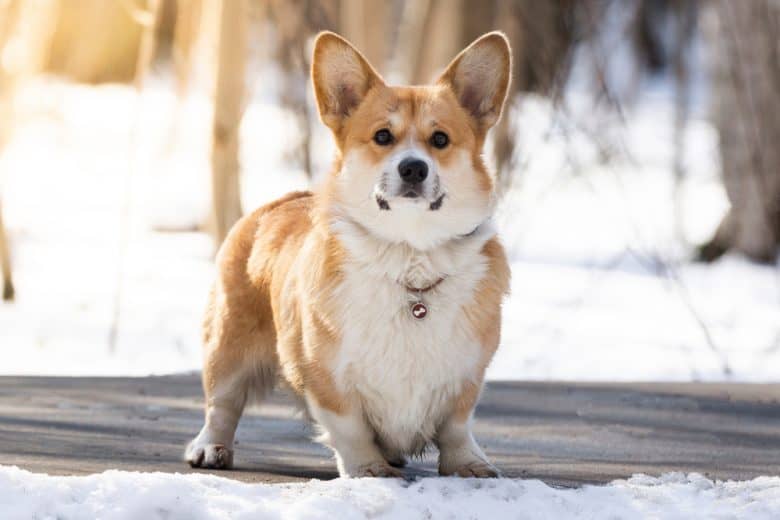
column 239, row 365
column 225, row 401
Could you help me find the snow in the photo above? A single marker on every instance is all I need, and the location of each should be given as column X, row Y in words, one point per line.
column 603, row 286
column 130, row 495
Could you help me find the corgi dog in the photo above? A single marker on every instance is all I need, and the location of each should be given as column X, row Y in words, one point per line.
column 377, row 298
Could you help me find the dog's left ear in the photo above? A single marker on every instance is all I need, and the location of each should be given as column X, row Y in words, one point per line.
column 479, row 76
column 341, row 76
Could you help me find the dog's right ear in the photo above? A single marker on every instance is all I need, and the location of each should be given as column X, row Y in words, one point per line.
column 341, row 78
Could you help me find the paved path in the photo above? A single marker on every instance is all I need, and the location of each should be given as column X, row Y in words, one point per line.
column 563, row 433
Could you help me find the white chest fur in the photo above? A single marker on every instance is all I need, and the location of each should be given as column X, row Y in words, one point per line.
column 406, row 372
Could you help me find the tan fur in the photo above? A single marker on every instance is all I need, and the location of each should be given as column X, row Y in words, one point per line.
column 277, row 307
column 484, row 311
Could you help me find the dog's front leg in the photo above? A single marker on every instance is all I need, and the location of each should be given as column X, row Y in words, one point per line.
column 352, row 440
column 459, row 453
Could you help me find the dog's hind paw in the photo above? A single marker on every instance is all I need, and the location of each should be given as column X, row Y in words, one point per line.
column 209, row 456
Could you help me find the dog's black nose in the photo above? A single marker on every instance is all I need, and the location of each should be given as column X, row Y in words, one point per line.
column 413, row 171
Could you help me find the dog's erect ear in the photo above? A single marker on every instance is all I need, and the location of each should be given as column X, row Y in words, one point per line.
column 341, row 78
column 479, row 76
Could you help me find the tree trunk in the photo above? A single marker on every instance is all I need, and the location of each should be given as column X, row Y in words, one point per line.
column 747, row 84
column 5, row 262
column 27, row 27
column 188, row 21
column 228, row 108
column 366, row 25
column 443, row 38
column 411, row 29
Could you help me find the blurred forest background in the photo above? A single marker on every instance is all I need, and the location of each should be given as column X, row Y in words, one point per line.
column 639, row 146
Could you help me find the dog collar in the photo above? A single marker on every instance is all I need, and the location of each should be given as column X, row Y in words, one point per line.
column 420, row 290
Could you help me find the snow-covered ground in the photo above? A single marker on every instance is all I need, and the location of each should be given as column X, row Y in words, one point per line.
column 102, row 189
column 127, row 495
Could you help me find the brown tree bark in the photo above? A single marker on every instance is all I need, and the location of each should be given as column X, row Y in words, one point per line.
column 5, row 262
column 231, row 37
column 747, row 92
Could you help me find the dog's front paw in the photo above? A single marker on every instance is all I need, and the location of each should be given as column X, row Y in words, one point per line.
column 375, row 469
column 211, row 456
column 476, row 468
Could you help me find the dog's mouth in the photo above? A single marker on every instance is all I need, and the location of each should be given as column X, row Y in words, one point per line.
column 384, row 205
column 410, row 191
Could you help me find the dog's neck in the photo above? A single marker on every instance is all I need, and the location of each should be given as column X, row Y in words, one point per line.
column 401, row 263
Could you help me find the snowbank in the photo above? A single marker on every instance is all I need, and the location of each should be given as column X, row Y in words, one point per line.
column 128, row 495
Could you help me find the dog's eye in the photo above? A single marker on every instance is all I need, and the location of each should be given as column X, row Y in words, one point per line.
column 440, row 140
column 383, row 137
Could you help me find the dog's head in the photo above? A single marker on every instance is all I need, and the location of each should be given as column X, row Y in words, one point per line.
column 411, row 167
